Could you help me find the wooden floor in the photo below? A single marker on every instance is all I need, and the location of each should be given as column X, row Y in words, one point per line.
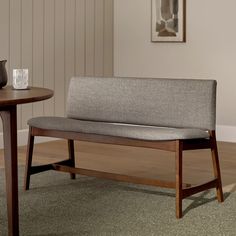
column 139, row 161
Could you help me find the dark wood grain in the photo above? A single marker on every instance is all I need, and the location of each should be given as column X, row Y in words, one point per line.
column 161, row 145
column 177, row 146
column 10, row 155
column 199, row 188
column 113, row 176
column 216, row 166
column 71, row 152
column 10, row 96
column 29, row 155
column 179, row 177
column 9, row 99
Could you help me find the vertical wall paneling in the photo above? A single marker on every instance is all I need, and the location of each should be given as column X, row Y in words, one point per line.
column 89, row 36
column 38, row 52
column 27, row 52
column 80, row 37
column 4, row 34
column 99, row 37
column 49, row 66
column 59, row 57
column 55, row 40
column 15, row 44
column 108, row 38
column 69, row 42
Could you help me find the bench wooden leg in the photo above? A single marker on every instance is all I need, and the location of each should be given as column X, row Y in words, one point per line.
column 71, row 151
column 216, row 166
column 37, row 169
column 179, row 177
column 29, row 155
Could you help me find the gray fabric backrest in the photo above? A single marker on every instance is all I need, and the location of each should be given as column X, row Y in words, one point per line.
column 146, row 101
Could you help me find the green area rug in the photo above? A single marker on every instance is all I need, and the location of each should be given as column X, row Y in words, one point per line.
column 56, row 205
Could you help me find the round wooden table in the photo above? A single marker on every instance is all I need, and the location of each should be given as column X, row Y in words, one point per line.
column 9, row 99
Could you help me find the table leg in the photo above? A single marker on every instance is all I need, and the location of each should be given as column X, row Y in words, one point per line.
column 10, row 154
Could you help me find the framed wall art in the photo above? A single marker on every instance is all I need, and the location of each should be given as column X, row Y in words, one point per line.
column 168, row 20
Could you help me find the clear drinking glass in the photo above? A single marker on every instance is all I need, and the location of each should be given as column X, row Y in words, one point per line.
column 20, row 78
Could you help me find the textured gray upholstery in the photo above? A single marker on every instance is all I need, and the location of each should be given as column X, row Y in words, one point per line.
column 182, row 103
column 116, row 129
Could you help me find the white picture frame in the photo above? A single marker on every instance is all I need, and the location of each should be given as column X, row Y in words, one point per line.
column 168, row 21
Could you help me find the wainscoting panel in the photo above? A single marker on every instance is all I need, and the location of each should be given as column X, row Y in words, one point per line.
column 55, row 40
column 4, row 33
column 38, row 50
column 49, row 54
column 15, row 40
column 27, row 53
column 80, row 37
column 59, row 87
column 99, row 38
column 108, row 37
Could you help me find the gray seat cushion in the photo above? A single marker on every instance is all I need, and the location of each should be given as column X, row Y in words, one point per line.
column 116, row 129
column 144, row 101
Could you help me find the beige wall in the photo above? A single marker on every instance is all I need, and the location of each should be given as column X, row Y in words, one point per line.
column 56, row 39
column 210, row 51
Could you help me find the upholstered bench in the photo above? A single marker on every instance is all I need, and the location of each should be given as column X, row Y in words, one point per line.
column 166, row 114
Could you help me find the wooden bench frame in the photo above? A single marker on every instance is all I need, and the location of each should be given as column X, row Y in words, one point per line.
column 177, row 146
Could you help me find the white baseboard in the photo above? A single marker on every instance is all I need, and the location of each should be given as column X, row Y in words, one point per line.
column 223, row 133
column 226, row 133
column 22, row 138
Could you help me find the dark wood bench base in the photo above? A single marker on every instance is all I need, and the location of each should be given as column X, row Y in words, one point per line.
column 178, row 146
